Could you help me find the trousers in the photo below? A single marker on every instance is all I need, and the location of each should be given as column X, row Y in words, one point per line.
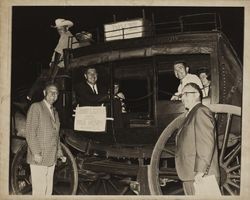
column 188, row 187
column 42, row 179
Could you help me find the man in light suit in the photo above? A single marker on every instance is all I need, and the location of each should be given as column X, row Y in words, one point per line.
column 42, row 135
column 196, row 146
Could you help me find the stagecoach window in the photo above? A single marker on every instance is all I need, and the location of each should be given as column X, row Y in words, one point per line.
column 167, row 84
column 136, row 83
column 137, row 95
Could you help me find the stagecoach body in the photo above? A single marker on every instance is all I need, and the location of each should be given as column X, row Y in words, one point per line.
column 120, row 159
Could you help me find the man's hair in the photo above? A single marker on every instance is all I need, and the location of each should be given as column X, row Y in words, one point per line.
column 206, row 71
column 197, row 88
column 89, row 67
column 49, row 84
column 180, row 62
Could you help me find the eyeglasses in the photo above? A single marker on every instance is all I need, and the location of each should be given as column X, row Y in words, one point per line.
column 185, row 93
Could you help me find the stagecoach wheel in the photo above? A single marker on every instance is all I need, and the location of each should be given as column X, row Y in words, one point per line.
column 65, row 177
column 163, row 178
column 104, row 184
column 230, row 150
column 229, row 155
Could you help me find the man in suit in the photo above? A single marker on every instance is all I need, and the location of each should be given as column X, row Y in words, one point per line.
column 88, row 92
column 42, row 135
column 196, row 146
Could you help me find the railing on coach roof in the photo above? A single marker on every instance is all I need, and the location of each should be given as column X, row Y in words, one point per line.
column 187, row 23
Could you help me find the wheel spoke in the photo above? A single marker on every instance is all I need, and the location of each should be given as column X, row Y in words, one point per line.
column 83, row 188
column 26, row 189
column 104, row 187
column 225, row 139
column 235, row 153
column 61, row 167
column 234, row 176
column 233, row 184
column 234, row 168
column 230, row 153
column 226, row 186
column 167, row 150
column 113, row 185
column 98, row 185
column 86, row 186
column 222, row 190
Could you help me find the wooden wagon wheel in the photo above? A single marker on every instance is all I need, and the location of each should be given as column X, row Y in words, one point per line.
column 65, row 176
column 98, row 181
column 104, row 184
column 160, row 174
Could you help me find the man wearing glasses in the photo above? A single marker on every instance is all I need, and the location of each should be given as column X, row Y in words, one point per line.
column 42, row 135
column 196, row 146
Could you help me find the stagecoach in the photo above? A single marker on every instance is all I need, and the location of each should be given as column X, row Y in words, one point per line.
column 137, row 157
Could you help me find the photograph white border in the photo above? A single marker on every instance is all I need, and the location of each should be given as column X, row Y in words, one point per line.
column 5, row 85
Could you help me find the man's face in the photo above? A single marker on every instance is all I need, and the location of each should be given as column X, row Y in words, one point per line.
column 180, row 71
column 203, row 77
column 189, row 96
column 51, row 94
column 61, row 29
column 116, row 88
column 91, row 76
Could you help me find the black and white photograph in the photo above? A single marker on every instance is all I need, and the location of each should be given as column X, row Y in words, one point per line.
column 124, row 100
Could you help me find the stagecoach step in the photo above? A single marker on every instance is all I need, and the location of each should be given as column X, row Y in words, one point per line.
column 112, row 167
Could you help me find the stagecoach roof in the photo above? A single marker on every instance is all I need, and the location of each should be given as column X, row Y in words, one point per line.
column 170, row 44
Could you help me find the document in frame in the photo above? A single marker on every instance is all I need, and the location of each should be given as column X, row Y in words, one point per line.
column 90, row 119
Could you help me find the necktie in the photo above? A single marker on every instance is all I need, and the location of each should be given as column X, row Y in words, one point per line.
column 53, row 113
column 94, row 91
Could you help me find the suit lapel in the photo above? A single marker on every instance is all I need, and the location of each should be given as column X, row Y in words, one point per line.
column 187, row 120
column 190, row 114
column 48, row 111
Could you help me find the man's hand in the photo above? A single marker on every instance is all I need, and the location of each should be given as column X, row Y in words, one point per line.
column 198, row 177
column 63, row 159
column 175, row 98
column 74, row 114
column 38, row 158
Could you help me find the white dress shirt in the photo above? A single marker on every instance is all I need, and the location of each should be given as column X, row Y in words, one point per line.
column 95, row 87
column 49, row 107
column 189, row 78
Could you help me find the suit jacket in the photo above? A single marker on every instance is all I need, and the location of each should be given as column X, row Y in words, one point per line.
column 196, row 145
column 42, row 134
column 86, row 97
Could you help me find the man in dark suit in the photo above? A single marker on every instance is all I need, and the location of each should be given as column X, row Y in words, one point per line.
column 196, row 146
column 88, row 92
column 42, row 135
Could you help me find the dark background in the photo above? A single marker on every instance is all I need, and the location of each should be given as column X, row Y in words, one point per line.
column 33, row 39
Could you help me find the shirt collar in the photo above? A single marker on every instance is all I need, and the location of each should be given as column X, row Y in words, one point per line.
column 192, row 107
column 95, row 86
column 47, row 104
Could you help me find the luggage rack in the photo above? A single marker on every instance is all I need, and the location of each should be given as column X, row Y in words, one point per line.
column 187, row 23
